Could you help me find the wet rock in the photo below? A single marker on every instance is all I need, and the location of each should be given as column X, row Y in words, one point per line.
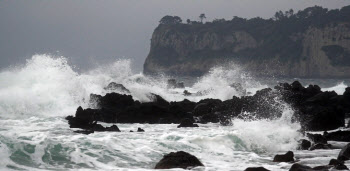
column 335, row 162
column 86, row 132
column 256, row 169
column 187, row 123
column 346, row 94
column 113, row 128
column 344, row 154
column 338, row 136
column 117, row 87
column 320, row 146
column 339, row 165
column 317, row 138
column 325, row 168
column 178, row 159
column 300, row 167
column 98, row 128
column 304, row 144
column 288, row 157
column 140, row 130
column 315, row 110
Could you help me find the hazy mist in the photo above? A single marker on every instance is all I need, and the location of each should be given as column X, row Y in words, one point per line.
column 95, row 32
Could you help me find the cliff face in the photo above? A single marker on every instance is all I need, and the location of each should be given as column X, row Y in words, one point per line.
column 265, row 48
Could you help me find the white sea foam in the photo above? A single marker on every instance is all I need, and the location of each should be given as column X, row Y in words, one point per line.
column 34, row 136
column 339, row 88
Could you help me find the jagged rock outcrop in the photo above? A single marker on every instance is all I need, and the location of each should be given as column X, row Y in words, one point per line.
column 298, row 45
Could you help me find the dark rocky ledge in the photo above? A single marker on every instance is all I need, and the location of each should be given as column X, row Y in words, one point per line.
column 314, row 109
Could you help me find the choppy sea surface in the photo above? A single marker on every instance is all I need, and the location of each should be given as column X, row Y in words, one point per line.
column 35, row 98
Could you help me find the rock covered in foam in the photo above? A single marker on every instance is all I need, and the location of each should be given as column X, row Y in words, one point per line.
column 116, row 87
column 288, row 157
column 178, row 159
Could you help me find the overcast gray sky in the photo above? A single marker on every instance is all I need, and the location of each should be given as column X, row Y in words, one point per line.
column 90, row 31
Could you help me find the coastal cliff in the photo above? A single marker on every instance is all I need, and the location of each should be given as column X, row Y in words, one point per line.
column 314, row 43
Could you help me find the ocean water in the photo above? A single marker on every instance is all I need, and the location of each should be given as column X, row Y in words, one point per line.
column 35, row 98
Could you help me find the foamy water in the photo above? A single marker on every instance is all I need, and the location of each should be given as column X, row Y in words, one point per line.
column 35, row 98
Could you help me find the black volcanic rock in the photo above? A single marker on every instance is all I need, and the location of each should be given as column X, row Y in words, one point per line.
column 187, row 123
column 338, row 136
column 288, row 157
column 339, row 165
column 317, row 138
column 178, row 159
column 315, row 110
column 299, row 167
column 304, row 144
column 113, row 128
column 256, row 169
column 140, row 130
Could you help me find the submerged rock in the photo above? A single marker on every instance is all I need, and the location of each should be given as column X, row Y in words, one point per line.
column 288, row 157
column 256, row 169
column 187, row 123
column 178, row 159
column 86, row 132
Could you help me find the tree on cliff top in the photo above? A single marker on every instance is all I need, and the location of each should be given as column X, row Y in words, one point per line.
column 201, row 17
column 169, row 20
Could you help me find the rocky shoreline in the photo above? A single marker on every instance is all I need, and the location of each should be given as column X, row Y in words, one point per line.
column 313, row 109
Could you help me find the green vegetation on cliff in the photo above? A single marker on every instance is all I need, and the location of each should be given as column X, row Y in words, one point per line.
column 288, row 37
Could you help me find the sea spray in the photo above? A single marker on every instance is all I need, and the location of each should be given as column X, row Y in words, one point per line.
column 35, row 98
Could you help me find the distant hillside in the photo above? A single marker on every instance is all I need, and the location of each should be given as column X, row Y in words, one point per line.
column 314, row 42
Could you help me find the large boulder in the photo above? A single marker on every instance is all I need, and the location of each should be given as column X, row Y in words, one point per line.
column 288, row 157
column 178, row 159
